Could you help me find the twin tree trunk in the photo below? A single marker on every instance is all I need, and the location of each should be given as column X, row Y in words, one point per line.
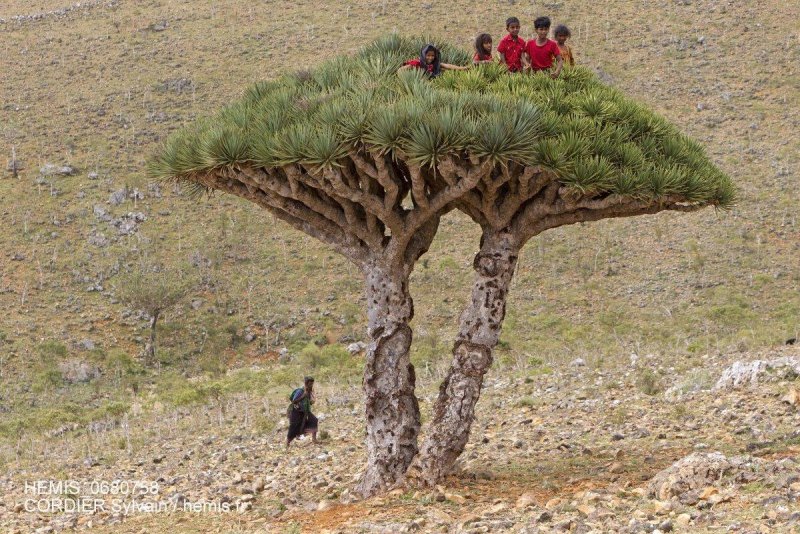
column 392, row 410
column 479, row 330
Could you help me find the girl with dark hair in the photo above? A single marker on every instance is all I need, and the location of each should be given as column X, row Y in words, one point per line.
column 483, row 49
column 430, row 61
column 562, row 33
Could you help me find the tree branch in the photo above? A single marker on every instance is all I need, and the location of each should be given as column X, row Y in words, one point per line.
column 380, row 173
column 308, row 190
column 450, row 193
column 419, row 192
column 528, row 225
column 291, row 211
column 371, row 202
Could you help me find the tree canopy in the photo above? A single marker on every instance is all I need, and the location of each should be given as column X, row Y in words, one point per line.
column 593, row 138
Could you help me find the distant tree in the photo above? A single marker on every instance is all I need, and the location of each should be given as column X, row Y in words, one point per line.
column 367, row 160
column 153, row 290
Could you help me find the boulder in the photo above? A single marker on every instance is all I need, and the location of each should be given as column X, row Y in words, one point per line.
column 741, row 373
column 698, row 471
column 357, row 347
column 49, row 169
column 78, row 371
column 118, row 196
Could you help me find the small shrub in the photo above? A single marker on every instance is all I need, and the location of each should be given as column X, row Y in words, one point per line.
column 46, row 374
column 52, row 350
column 233, row 331
column 697, row 346
column 679, row 411
column 116, row 408
column 174, row 389
column 695, row 380
column 619, row 415
column 310, row 356
column 211, row 364
column 247, row 381
column 47, row 377
column 285, row 376
column 124, row 369
column 648, row 382
column 47, row 418
column 212, row 390
column 543, row 370
column 170, row 357
column 324, row 435
column 121, row 361
column 264, row 425
column 296, row 340
column 330, row 360
column 448, row 264
column 535, row 361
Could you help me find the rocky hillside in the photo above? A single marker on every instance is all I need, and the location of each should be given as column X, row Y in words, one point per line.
column 616, row 331
column 574, row 450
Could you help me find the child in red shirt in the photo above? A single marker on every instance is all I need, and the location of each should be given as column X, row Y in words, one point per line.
column 541, row 52
column 430, row 61
column 483, row 49
column 512, row 46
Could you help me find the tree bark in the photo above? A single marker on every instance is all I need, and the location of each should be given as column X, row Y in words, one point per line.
column 479, row 330
column 150, row 347
column 392, row 411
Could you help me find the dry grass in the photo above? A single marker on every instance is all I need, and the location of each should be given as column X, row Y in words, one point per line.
column 89, row 90
column 93, row 90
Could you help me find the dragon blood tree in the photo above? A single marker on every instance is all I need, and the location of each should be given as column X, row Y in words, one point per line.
column 367, row 160
column 581, row 152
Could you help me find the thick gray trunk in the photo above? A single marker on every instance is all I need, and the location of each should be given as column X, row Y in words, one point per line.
column 479, row 330
column 392, row 411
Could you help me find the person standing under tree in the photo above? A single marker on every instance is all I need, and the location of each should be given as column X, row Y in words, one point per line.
column 301, row 420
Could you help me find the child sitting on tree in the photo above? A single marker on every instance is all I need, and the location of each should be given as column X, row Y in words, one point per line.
column 483, row 49
column 540, row 53
column 512, row 46
column 562, row 33
column 430, row 61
